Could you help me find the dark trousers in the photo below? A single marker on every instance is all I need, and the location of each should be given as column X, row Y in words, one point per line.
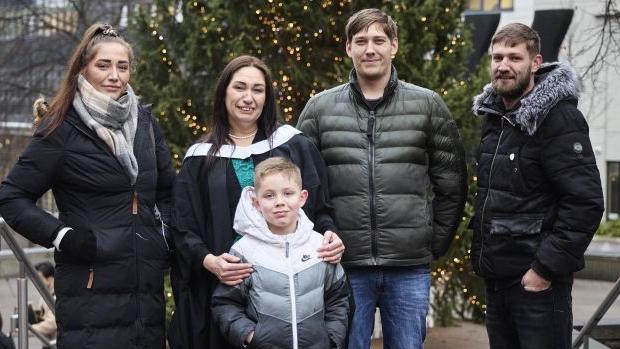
column 519, row 319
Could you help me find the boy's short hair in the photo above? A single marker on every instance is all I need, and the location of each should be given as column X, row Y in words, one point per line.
column 363, row 19
column 517, row 33
column 276, row 165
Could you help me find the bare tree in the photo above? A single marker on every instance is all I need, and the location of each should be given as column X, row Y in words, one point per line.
column 36, row 38
column 604, row 42
column 594, row 49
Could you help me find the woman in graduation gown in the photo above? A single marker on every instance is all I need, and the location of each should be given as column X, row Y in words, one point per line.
column 245, row 131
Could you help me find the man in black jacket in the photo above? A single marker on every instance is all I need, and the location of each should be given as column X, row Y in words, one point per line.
column 539, row 197
column 397, row 180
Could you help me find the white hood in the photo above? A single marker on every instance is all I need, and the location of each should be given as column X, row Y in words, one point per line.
column 249, row 221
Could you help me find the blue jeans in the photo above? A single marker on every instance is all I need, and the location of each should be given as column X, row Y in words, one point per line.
column 401, row 293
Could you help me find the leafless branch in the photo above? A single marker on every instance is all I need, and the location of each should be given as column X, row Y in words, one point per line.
column 37, row 43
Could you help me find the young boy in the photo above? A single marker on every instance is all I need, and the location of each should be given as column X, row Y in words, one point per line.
column 292, row 299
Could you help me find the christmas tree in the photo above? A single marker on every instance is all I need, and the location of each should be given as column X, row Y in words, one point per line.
column 182, row 48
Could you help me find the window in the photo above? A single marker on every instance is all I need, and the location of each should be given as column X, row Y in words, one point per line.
column 13, row 24
column 613, row 190
column 490, row 5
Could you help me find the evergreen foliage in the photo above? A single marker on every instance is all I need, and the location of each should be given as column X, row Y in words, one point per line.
column 182, row 48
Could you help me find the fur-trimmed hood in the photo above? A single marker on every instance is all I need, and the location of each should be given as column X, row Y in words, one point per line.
column 555, row 81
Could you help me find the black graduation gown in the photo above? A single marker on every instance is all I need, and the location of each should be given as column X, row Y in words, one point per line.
column 204, row 203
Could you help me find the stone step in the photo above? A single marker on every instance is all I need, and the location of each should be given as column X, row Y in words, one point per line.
column 602, row 260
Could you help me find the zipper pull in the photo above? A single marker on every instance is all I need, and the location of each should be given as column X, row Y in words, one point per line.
column 370, row 130
column 286, row 244
column 91, row 278
column 134, row 203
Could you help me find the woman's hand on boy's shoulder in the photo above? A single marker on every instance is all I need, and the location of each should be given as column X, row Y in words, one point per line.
column 332, row 248
column 227, row 268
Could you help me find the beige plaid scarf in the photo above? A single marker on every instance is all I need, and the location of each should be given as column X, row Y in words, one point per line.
column 114, row 121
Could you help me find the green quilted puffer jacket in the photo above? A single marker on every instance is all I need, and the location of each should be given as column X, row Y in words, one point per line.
column 397, row 175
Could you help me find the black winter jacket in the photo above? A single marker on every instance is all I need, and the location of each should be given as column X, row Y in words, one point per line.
column 397, row 174
column 539, row 198
column 118, row 300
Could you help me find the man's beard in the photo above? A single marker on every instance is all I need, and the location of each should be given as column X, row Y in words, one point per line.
column 512, row 92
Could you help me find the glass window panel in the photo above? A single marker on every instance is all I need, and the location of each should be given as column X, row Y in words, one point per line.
column 490, row 5
column 474, row 5
column 506, row 4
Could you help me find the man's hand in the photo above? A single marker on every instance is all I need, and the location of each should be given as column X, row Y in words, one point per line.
column 227, row 268
column 532, row 282
column 332, row 248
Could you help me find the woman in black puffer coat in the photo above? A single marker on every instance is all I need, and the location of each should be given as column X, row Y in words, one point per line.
column 107, row 163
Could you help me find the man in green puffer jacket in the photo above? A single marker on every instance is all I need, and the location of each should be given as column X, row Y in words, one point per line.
column 397, row 179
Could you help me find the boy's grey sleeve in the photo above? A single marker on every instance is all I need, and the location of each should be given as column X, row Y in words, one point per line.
column 228, row 306
column 337, row 305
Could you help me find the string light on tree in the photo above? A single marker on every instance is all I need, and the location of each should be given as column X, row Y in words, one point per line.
column 303, row 44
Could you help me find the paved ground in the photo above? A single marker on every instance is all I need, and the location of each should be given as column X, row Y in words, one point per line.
column 587, row 295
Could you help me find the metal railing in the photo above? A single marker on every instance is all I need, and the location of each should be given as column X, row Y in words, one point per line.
column 26, row 271
column 584, row 334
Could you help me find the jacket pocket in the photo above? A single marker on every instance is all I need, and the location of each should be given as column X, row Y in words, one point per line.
column 511, row 245
column 257, row 342
column 519, row 225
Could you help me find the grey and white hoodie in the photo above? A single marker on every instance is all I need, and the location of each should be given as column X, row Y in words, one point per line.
column 292, row 299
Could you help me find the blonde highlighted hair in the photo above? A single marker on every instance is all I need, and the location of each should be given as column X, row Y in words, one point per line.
column 82, row 55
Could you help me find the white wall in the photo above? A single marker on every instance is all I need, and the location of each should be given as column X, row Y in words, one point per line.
column 601, row 97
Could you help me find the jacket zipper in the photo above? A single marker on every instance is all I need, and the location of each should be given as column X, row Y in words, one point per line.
column 486, row 198
column 370, row 134
column 291, row 281
column 134, row 213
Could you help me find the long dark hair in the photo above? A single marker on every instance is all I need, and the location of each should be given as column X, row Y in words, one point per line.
column 84, row 52
column 268, row 119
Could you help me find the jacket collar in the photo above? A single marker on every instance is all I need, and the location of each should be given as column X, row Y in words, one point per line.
column 261, row 145
column 554, row 82
column 388, row 91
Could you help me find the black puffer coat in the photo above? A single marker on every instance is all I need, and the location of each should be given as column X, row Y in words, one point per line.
column 122, row 306
column 539, row 197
